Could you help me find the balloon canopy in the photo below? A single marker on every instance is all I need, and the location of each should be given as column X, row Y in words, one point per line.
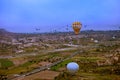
column 72, row 67
column 76, row 27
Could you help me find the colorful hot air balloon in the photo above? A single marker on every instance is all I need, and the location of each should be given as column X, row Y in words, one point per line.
column 76, row 27
column 72, row 67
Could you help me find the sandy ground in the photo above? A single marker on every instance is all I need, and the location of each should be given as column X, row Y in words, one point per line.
column 43, row 63
column 18, row 61
column 43, row 75
column 66, row 53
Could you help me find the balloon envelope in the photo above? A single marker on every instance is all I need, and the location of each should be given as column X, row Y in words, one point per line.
column 76, row 27
column 72, row 67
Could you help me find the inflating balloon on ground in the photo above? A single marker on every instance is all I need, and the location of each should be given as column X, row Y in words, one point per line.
column 72, row 67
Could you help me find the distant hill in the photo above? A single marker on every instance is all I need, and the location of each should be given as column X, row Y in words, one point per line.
column 5, row 35
column 2, row 31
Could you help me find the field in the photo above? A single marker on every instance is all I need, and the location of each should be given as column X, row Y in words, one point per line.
column 90, row 69
column 43, row 75
column 5, row 63
column 48, row 60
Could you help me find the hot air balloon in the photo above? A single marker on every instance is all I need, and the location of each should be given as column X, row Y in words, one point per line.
column 76, row 27
column 72, row 67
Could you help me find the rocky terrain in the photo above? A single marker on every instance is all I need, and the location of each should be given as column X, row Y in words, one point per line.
column 24, row 56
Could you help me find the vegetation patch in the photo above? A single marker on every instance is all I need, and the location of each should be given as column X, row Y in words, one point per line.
column 5, row 63
column 60, row 65
column 90, row 59
column 21, row 69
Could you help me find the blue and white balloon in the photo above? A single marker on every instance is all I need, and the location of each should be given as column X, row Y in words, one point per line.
column 72, row 67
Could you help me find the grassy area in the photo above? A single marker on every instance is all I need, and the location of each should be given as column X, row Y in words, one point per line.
column 20, row 69
column 86, row 60
column 86, row 76
column 34, row 60
column 5, row 63
column 95, row 76
column 62, row 64
column 91, row 59
column 89, row 69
